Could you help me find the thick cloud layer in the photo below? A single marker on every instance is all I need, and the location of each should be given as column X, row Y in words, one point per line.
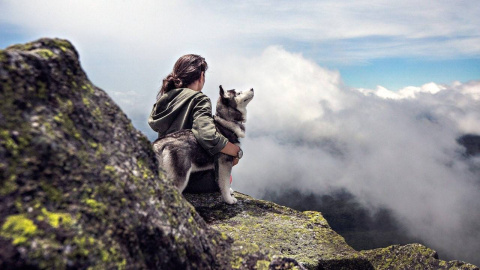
column 390, row 149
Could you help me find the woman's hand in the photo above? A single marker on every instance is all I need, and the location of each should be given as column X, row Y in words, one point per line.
column 231, row 149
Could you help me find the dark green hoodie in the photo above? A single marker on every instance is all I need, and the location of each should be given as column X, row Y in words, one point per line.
column 184, row 108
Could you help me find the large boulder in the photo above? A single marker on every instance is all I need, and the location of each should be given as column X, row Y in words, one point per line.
column 412, row 256
column 79, row 185
column 263, row 231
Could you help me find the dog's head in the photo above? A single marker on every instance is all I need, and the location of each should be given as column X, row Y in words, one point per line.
column 232, row 104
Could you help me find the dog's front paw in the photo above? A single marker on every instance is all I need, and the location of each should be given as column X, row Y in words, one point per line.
column 231, row 200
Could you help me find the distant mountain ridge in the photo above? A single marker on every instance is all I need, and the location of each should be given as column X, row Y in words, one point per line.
column 471, row 142
column 80, row 188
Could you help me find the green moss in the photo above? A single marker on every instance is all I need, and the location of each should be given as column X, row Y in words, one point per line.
column 66, row 105
column 9, row 143
column 86, row 102
column 56, row 219
column 22, row 47
column 246, row 248
column 41, row 90
column 44, row 53
column 411, row 256
column 9, row 185
column 109, row 254
column 18, row 204
column 105, row 255
column 97, row 207
column 237, row 263
column 52, row 192
column 83, row 245
column 99, row 150
column 92, row 144
column 18, row 228
column 145, row 171
column 97, row 114
column 122, row 265
column 224, row 236
column 262, row 265
column 316, row 218
column 130, row 127
column 88, row 88
column 67, row 125
column 63, row 44
column 108, row 169
column 69, row 73
column 3, row 56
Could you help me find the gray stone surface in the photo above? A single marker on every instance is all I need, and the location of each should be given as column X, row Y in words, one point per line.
column 79, row 186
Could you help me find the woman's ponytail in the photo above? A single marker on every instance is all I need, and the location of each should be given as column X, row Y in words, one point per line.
column 187, row 70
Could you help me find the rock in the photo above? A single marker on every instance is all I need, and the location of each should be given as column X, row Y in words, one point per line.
column 412, row 256
column 267, row 231
column 79, row 186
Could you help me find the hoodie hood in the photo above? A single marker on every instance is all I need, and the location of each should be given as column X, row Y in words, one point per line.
column 171, row 109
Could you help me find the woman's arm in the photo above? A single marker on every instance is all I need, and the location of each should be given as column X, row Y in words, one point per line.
column 204, row 128
column 231, row 149
column 206, row 134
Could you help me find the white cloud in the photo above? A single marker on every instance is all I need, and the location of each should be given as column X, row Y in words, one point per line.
column 406, row 27
column 306, row 130
column 407, row 92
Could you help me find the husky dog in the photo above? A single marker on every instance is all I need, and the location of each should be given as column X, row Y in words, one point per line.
column 179, row 154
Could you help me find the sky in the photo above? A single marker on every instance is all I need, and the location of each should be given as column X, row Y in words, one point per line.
column 367, row 96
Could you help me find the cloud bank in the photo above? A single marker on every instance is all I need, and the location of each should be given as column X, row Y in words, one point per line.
column 306, row 130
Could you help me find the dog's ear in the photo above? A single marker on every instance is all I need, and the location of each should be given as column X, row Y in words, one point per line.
column 223, row 98
column 222, row 93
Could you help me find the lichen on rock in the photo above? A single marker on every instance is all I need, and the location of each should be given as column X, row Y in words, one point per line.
column 79, row 186
column 411, row 256
column 268, row 231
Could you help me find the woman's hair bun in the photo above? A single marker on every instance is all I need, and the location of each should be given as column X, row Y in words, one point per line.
column 178, row 83
column 186, row 70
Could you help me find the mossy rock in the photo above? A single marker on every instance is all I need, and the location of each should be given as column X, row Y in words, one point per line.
column 268, row 231
column 79, row 186
column 411, row 256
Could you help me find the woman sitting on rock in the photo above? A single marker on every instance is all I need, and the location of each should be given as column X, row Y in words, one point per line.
column 181, row 105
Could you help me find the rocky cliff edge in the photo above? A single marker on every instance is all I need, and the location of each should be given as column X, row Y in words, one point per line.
column 80, row 188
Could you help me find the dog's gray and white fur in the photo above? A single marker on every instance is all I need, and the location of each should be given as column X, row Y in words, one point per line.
column 179, row 154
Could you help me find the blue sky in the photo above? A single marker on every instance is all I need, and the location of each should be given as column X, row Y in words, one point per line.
column 370, row 42
column 397, row 73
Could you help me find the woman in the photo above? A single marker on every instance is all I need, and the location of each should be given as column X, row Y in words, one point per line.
column 181, row 105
